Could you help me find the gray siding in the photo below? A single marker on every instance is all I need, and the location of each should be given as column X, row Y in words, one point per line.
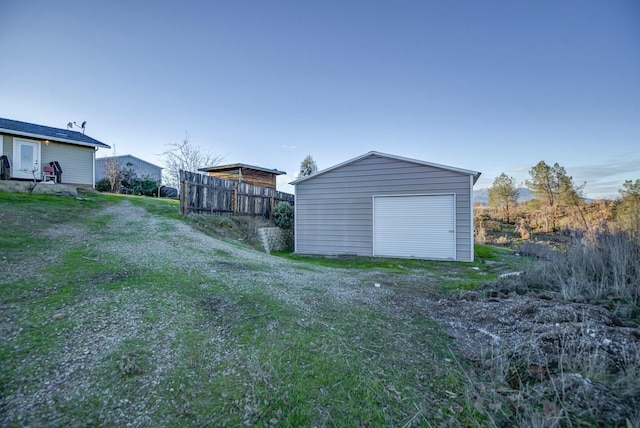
column 7, row 145
column 334, row 211
column 141, row 167
column 76, row 162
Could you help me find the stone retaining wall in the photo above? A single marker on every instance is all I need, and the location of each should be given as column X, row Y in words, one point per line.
column 276, row 239
column 15, row 186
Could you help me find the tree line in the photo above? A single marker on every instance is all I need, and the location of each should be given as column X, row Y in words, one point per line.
column 559, row 203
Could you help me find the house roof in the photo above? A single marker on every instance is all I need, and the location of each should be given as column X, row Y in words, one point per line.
column 105, row 158
column 233, row 166
column 475, row 174
column 32, row 130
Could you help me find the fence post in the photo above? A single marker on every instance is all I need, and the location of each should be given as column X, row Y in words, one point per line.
column 181, row 196
column 234, row 199
column 184, row 197
column 271, row 206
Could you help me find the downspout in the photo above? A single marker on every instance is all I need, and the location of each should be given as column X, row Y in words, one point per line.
column 93, row 176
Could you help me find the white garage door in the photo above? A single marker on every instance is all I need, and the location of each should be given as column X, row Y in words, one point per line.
column 414, row 226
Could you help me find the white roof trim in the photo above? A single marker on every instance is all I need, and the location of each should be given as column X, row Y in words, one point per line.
column 475, row 174
column 46, row 137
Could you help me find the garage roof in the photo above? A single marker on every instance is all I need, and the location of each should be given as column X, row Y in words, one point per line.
column 475, row 174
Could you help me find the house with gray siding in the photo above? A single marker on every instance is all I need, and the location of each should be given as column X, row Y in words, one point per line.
column 27, row 151
column 142, row 168
column 386, row 206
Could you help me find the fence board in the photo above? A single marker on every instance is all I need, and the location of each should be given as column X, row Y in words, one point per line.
column 203, row 194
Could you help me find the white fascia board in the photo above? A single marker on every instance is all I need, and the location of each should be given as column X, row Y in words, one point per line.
column 46, row 137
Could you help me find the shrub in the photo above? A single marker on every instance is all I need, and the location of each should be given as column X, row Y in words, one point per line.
column 103, row 185
column 537, row 250
column 523, row 230
column 502, row 240
column 481, row 235
column 144, row 186
column 283, row 215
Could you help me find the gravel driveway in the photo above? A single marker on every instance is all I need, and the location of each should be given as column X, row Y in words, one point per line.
column 132, row 241
column 100, row 331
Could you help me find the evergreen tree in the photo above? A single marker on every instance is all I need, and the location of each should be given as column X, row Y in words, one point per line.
column 307, row 167
column 503, row 194
column 628, row 209
column 552, row 187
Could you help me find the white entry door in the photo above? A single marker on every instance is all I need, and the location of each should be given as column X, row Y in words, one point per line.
column 26, row 159
column 415, row 226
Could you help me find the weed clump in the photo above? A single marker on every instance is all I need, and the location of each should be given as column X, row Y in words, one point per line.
column 599, row 267
column 129, row 365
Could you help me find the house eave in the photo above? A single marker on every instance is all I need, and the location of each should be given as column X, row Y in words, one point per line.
column 54, row 139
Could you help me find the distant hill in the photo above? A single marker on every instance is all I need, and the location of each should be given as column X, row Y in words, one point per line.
column 482, row 195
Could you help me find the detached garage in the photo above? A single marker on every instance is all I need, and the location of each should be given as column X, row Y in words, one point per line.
column 388, row 206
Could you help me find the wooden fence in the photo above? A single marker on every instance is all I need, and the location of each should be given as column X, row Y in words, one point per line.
column 202, row 194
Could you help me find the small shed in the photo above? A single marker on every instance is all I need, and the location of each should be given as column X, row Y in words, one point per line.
column 388, row 206
column 247, row 174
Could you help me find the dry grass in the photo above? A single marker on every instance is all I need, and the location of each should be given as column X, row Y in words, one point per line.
column 582, row 368
column 599, row 267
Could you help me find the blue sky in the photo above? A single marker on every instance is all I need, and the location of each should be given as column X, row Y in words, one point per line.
column 491, row 86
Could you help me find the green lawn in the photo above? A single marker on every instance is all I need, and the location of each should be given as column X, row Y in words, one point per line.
column 160, row 330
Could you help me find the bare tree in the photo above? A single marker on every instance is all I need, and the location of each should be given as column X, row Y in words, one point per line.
column 114, row 172
column 186, row 157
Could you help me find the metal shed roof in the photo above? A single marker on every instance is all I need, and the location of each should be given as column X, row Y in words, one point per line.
column 233, row 166
column 106, row 158
column 475, row 174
